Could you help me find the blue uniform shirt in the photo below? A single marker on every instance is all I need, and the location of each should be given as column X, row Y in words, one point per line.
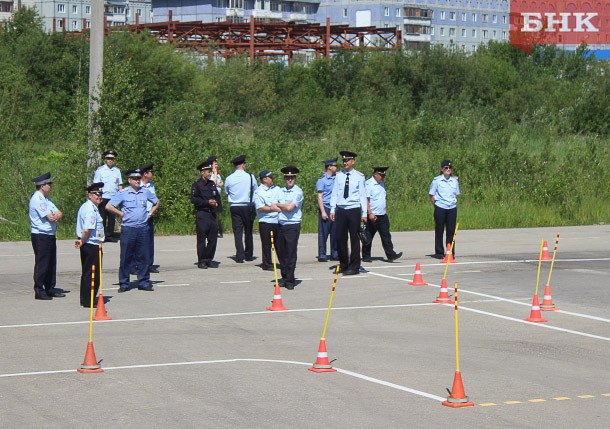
column 40, row 206
column 445, row 191
column 133, row 204
column 216, row 178
column 325, row 186
column 151, row 188
column 265, row 196
column 238, row 186
column 111, row 178
column 88, row 217
column 357, row 192
column 376, row 194
column 289, row 195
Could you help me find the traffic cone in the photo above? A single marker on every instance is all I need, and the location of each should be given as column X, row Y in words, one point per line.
column 100, row 312
column 547, row 301
column 545, row 252
column 90, row 364
column 418, row 279
column 448, row 255
column 458, row 398
column 322, row 363
column 535, row 315
column 277, row 304
column 443, row 296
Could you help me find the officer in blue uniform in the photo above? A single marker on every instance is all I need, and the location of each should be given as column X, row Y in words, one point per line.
column 377, row 217
column 266, row 195
column 324, row 188
column 90, row 235
column 205, row 198
column 240, row 187
column 347, row 210
column 444, row 190
column 146, row 182
column 134, row 230
column 289, row 218
column 110, row 176
column 43, row 220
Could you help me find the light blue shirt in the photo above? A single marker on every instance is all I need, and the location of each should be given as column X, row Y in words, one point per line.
column 151, row 188
column 265, row 196
column 287, row 196
column 111, row 178
column 40, row 207
column 325, row 186
column 88, row 217
column 357, row 192
column 445, row 191
column 133, row 204
column 376, row 194
column 238, row 186
column 216, row 178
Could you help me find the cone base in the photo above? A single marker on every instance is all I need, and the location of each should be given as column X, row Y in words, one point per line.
column 536, row 320
column 553, row 308
column 277, row 308
column 418, row 283
column 314, row 369
column 106, row 317
column 89, row 371
column 448, row 403
column 443, row 301
column 444, row 261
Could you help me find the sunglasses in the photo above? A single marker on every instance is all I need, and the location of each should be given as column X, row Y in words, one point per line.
column 447, row 168
column 99, row 194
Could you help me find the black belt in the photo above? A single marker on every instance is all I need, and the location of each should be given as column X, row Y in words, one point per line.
column 205, row 210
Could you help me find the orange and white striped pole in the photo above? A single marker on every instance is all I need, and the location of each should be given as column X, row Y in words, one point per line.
column 547, row 300
column 322, row 364
column 90, row 364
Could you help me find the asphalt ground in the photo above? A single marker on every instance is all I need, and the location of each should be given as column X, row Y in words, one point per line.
column 202, row 351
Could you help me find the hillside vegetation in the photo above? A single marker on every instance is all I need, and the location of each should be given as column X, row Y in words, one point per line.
column 529, row 135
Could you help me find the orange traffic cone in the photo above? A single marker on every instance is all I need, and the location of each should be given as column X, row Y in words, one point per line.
column 545, row 252
column 535, row 315
column 547, row 301
column 458, row 398
column 448, row 255
column 322, row 363
column 418, row 279
column 90, row 364
column 443, row 296
column 277, row 304
column 100, row 312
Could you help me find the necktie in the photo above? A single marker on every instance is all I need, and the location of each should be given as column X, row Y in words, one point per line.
column 346, row 189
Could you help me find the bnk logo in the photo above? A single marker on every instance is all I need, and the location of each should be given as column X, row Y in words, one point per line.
column 567, row 22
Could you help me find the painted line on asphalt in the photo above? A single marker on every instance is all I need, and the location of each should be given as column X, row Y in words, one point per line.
column 154, row 285
column 203, row 362
column 235, row 282
column 515, row 261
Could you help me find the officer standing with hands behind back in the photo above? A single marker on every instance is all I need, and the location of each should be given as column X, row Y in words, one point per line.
column 326, row 227
column 444, row 190
column 206, row 199
column 110, row 176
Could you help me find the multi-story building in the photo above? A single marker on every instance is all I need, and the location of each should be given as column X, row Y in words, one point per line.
column 6, row 10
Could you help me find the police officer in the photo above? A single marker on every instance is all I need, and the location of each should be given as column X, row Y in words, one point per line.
column 113, row 182
column 324, row 188
column 205, row 197
column 266, row 195
column 90, row 234
column 377, row 217
column 43, row 220
column 134, row 230
column 147, row 173
column 240, row 187
column 289, row 218
column 348, row 209
column 444, row 190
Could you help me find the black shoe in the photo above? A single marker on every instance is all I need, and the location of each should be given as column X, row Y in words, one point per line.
column 239, row 261
column 395, row 257
column 367, row 260
column 220, row 235
column 153, row 270
column 43, row 296
column 267, row 268
column 56, row 294
column 437, row 256
column 87, row 305
column 249, row 259
column 334, row 259
column 123, row 289
column 147, row 289
column 289, row 285
column 350, row 272
column 212, row 264
column 111, row 240
column 322, row 259
column 202, row 265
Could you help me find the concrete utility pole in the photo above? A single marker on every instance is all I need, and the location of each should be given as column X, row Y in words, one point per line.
column 96, row 63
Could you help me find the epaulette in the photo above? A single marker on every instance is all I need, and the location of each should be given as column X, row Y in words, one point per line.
column 360, row 173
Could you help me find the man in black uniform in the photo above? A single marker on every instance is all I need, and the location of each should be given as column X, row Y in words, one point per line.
column 204, row 196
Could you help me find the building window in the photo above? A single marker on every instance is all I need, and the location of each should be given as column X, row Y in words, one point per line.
column 61, row 8
column 88, row 24
column 386, row 25
column 432, row 31
column 442, row 31
column 474, row 33
column 74, row 25
column 495, row 34
column 464, row 16
column 463, row 32
column 275, row 7
column 442, row 14
column 74, row 8
column 451, row 32
column 485, row 18
column 139, row 12
column 474, row 48
column 495, row 19
column 88, row 10
column 60, row 23
column 474, row 17
column 344, row 13
column 503, row 19
column 386, row 11
column 484, row 34
column 452, row 16
column 397, row 12
column 504, row 35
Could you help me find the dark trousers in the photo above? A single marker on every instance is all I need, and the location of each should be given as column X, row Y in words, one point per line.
column 108, row 219
column 326, row 228
column 287, row 243
column 242, row 220
column 382, row 224
column 207, row 236
column 444, row 218
column 89, row 256
column 348, row 222
column 265, row 229
column 45, row 262
column 134, row 256
column 151, row 241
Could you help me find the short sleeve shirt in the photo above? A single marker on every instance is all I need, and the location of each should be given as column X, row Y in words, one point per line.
column 39, row 208
column 445, row 191
column 111, row 178
column 287, row 196
column 88, row 217
column 133, row 204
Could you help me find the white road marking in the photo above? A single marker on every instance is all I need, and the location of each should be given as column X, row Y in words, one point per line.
column 235, row 281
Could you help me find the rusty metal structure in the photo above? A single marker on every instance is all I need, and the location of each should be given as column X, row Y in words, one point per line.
column 266, row 39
